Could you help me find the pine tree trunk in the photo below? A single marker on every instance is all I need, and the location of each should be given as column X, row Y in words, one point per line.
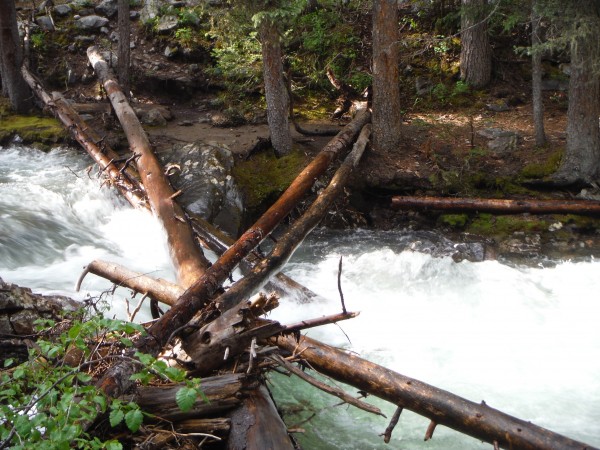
column 123, row 51
column 581, row 162
column 11, row 58
column 275, row 91
column 387, row 119
column 475, row 52
column 536, row 77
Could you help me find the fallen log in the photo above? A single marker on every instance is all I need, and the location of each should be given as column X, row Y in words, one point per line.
column 199, row 294
column 443, row 408
column 158, row 289
column 89, row 140
column 287, row 244
column 189, row 260
column 257, row 425
column 499, row 206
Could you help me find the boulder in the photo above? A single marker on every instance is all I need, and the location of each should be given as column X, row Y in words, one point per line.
column 107, row 8
column 202, row 171
column 500, row 141
column 62, row 10
column 45, row 23
column 167, row 23
column 150, row 10
column 90, row 23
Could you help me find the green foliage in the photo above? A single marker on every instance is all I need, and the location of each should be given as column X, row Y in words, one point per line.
column 44, row 402
column 454, row 220
column 543, row 168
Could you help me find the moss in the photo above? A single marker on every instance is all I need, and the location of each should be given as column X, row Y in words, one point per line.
column 491, row 225
column 454, row 220
column 264, row 177
column 32, row 129
column 543, row 169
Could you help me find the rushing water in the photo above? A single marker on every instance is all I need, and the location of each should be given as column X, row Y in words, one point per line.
column 526, row 340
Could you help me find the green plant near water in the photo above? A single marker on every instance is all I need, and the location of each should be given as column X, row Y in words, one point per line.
column 44, row 401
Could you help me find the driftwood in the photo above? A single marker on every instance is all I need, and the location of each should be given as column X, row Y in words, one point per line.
column 198, row 295
column 286, row 245
column 499, row 206
column 89, row 140
column 158, row 289
column 443, row 408
column 257, row 425
column 187, row 256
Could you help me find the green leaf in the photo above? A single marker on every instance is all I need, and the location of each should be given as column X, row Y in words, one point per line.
column 19, row 373
column 113, row 445
column 116, row 417
column 185, row 398
column 133, row 419
column 127, row 342
column 8, row 362
column 84, row 377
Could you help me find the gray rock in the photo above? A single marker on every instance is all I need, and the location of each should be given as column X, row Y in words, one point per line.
column 500, row 141
column 555, row 85
column 170, row 51
column 45, row 23
column 167, row 23
column 423, row 85
column 107, row 8
column 203, row 172
column 522, row 244
column 91, row 22
column 501, row 106
column 152, row 117
column 62, row 10
column 150, row 10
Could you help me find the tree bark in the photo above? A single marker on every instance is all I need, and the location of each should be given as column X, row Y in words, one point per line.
column 387, row 118
column 11, row 59
column 581, row 162
column 123, row 49
column 187, row 256
column 443, row 408
column 536, row 76
column 475, row 52
column 275, row 90
column 198, row 295
column 499, row 206
column 257, row 425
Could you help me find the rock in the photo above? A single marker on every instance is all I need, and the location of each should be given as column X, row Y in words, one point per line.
column 167, row 23
column 19, row 308
column 62, row 10
column 150, row 10
column 209, row 190
column 107, row 8
column 170, row 51
column 500, row 141
column 153, row 117
column 423, row 85
column 500, row 106
column 134, row 15
column 438, row 246
column 555, row 85
column 91, row 22
column 45, row 23
column 521, row 244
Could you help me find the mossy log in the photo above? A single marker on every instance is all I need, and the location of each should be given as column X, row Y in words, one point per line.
column 499, row 206
column 443, row 408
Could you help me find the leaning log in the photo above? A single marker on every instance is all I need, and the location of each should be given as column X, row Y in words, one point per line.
column 198, row 295
column 444, row 408
column 499, row 206
column 187, row 256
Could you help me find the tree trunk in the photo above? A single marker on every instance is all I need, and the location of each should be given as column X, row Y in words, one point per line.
column 581, row 162
column 198, row 295
column 536, row 76
column 11, row 59
column 387, row 119
column 187, row 256
column 477, row 420
column 275, row 91
column 123, row 50
column 475, row 51
column 492, row 205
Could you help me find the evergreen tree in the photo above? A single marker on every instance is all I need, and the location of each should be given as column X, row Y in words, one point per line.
column 475, row 53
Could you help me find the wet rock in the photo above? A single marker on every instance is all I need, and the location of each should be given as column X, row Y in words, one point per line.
column 107, row 8
column 45, row 23
column 63, row 10
column 203, row 172
column 521, row 244
column 92, row 22
column 19, row 308
column 436, row 245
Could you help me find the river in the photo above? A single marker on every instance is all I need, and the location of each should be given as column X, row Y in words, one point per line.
column 525, row 340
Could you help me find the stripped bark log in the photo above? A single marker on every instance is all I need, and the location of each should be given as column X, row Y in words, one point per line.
column 499, row 206
column 477, row 420
column 89, row 140
column 188, row 258
column 161, row 290
column 287, row 244
column 198, row 295
column 257, row 425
